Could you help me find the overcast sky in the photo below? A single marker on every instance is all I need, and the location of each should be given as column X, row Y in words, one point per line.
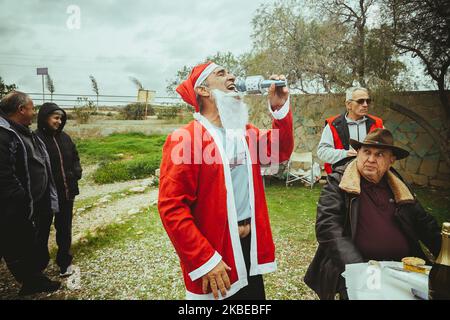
column 149, row 40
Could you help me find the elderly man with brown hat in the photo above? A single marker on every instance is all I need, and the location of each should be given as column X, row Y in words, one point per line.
column 367, row 212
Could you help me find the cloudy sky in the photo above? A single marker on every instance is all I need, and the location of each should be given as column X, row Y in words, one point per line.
column 149, row 40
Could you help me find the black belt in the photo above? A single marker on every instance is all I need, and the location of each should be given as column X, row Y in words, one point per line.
column 244, row 222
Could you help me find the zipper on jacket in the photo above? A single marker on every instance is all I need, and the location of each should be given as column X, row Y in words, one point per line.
column 350, row 218
column 66, row 188
column 27, row 173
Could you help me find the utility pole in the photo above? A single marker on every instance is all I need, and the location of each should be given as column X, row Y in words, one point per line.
column 42, row 72
column 145, row 96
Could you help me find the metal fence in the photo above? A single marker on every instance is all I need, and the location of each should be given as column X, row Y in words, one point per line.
column 70, row 100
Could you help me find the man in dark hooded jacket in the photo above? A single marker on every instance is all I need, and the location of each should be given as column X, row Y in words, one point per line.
column 66, row 171
column 27, row 194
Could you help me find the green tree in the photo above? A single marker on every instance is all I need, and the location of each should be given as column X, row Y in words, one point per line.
column 353, row 14
column 137, row 83
column 309, row 52
column 50, row 86
column 229, row 61
column 94, row 85
column 226, row 60
column 422, row 28
column 383, row 66
column 5, row 88
column 321, row 53
column 179, row 77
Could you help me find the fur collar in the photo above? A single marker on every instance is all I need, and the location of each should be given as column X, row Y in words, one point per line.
column 351, row 183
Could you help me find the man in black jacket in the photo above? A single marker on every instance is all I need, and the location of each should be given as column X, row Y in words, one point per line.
column 27, row 194
column 366, row 212
column 66, row 171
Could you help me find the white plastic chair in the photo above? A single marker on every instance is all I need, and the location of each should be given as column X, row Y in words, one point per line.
column 306, row 176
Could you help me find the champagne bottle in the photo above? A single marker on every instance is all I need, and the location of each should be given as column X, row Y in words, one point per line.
column 439, row 281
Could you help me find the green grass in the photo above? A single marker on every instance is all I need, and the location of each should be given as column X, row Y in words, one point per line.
column 90, row 203
column 135, row 259
column 289, row 206
column 123, row 156
column 129, row 144
column 114, row 234
column 107, row 253
column 436, row 202
column 137, row 168
column 131, row 260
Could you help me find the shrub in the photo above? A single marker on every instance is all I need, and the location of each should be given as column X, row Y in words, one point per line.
column 122, row 156
column 84, row 110
column 136, row 111
column 138, row 168
column 167, row 113
column 70, row 115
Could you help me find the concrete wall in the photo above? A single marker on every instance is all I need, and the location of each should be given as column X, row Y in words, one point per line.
column 424, row 166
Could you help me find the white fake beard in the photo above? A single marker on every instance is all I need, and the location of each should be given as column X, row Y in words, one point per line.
column 233, row 114
column 233, row 111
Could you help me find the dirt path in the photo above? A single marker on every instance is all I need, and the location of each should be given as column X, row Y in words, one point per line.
column 89, row 189
column 105, row 189
column 112, row 212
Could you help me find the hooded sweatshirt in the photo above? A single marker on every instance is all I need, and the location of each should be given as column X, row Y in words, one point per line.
column 63, row 154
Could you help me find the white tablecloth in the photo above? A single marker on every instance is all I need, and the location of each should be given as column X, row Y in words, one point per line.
column 372, row 282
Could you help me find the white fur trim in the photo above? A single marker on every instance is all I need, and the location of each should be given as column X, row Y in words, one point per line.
column 265, row 268
column 208, row 70
column 235, row 287
column 282, row 112
column 255, row 269
column 206, row 267
column 231, row 206
column 253, row 233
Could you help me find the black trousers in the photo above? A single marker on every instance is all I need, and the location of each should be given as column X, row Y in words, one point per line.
column 63, row 226
column 17, row 243
column 255, row 288
column 43, row 218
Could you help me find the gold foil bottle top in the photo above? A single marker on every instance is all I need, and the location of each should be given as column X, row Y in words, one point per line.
column 446, row 228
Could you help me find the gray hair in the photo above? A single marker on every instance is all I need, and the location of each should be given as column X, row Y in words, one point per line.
column 11, row 103
column 197, row 97
column 349, row 92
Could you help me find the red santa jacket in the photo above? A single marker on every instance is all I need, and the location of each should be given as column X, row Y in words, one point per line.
column 341, row 136
column 196, row 202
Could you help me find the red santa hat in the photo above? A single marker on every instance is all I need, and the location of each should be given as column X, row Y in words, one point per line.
column 198, row 74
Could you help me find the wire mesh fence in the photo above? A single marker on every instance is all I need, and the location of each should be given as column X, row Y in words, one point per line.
column 70, row 100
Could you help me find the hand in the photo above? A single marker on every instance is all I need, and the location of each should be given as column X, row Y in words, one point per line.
column 278, row 95
column 351, row 153
column 216, row 279
column 244, row 231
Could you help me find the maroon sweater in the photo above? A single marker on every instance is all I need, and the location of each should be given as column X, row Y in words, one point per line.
column 378, row 236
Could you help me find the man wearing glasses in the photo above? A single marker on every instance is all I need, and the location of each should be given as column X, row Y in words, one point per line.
column 334, row 144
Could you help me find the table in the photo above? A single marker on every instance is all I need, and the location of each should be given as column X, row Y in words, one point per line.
column 366, row 281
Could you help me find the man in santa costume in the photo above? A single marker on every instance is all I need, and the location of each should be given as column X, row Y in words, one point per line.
column 211, row 195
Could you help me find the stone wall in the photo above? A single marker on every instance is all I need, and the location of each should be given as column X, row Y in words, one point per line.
column 424, row 166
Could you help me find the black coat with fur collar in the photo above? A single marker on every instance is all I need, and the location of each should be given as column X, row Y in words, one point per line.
column 336, row 223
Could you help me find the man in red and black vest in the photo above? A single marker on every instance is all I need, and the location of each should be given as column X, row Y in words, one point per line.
column 334, row 144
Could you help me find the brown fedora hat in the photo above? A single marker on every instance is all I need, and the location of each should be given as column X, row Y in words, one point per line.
column 380, row 138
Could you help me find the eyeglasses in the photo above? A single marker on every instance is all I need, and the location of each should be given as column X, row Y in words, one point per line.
column 361, row 101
